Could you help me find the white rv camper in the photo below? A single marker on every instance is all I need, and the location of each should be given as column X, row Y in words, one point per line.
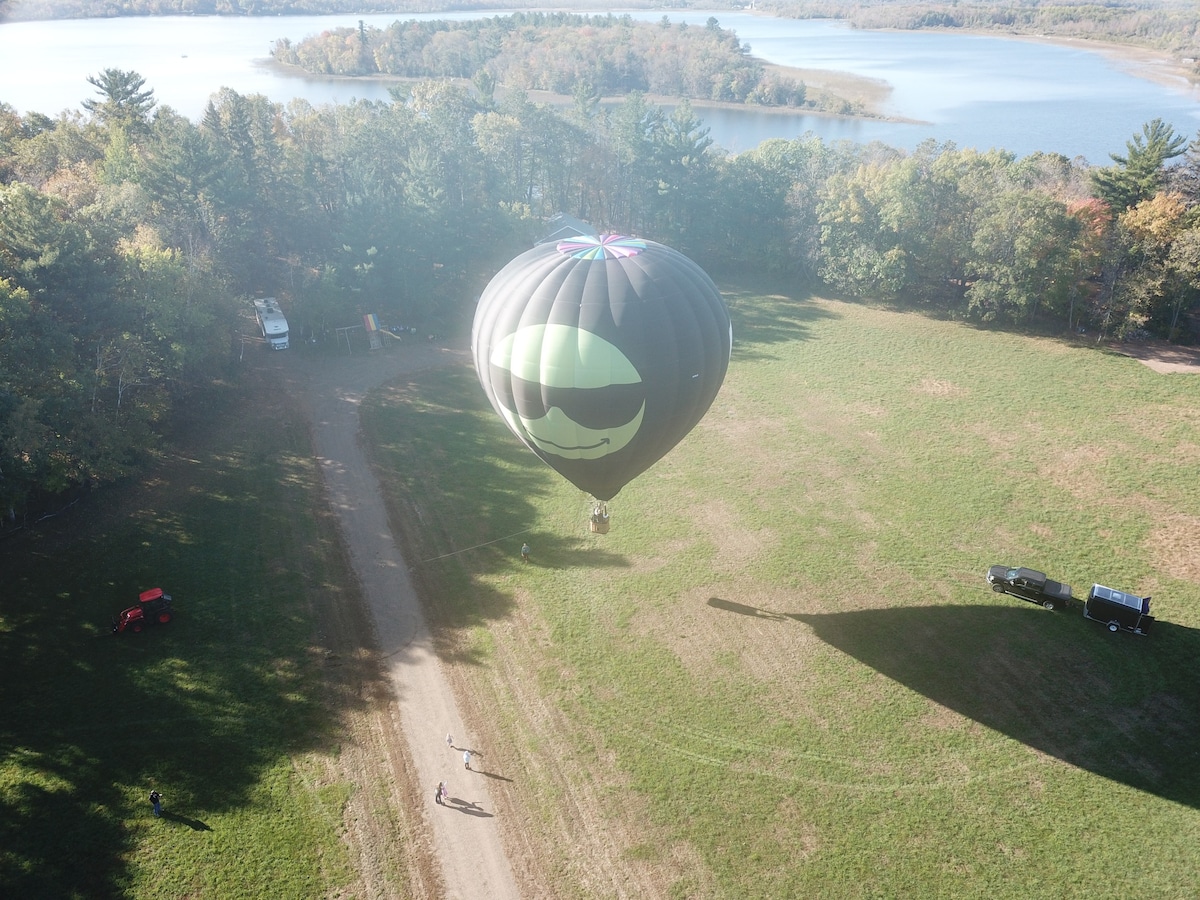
column 272, row 322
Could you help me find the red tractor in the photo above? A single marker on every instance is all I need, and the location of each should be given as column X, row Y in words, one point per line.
column 154, row 607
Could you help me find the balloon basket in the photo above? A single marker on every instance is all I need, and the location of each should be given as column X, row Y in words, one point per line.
column 600, row 518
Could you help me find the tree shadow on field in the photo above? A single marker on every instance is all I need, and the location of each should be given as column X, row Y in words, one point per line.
column 460, row 491
column 198, row 708
column 761, row 319
column 1122, row 706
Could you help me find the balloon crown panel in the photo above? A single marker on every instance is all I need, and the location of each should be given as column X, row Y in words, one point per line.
column 601, row 354
column 605, row 246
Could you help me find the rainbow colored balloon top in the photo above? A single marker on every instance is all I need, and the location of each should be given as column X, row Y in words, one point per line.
column 604, row 246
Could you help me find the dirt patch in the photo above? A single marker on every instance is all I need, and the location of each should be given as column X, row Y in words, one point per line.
column 737, row 547
column 1175, row 546
column 588, row 831
column 752, row 623
column 936, row 387
column 1161, row 356
column 1074, row 469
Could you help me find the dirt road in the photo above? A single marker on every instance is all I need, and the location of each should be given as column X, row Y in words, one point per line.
column 1160, row 356
column 463, row 834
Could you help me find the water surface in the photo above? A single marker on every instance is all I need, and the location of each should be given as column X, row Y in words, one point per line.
column 975, row 91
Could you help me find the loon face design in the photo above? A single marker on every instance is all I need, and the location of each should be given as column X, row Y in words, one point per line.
column 567, row 392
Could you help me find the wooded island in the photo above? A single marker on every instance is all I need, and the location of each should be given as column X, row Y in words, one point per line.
column 558, row 52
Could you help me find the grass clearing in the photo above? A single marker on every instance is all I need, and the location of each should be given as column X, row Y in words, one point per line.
column 782, row 672
column 227, row 710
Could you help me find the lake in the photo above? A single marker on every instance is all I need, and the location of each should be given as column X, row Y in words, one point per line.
column 975, row 91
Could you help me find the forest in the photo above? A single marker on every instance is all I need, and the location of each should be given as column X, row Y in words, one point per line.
column 132, row 239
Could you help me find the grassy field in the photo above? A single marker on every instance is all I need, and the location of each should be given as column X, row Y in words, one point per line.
column 226, row 710
column 782, row 673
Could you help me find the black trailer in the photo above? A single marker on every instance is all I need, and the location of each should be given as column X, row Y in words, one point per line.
column 1118, row 610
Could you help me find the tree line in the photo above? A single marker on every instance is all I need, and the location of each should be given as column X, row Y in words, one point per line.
column 557, row 52
column 95, row 9
column 132, row 239
column 1169, row 25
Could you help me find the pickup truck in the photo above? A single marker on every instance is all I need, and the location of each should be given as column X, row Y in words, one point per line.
column 1029, row 585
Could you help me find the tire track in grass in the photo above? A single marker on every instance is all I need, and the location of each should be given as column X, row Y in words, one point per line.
column 756, row 758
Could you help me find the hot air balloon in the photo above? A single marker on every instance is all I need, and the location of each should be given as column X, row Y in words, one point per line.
column 601, row 353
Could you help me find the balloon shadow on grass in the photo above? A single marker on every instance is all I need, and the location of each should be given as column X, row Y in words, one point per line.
column 742, row 609
column 1122, row 706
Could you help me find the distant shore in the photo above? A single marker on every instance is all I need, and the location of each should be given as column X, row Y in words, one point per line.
column 868, row 97
column 872, row 94
column 1139, row 62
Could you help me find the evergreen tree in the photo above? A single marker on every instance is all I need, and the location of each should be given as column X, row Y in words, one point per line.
column 1138, row 174
column 123, row 103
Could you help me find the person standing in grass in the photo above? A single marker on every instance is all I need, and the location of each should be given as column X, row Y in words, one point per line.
column 156, row 803
column 524, row 553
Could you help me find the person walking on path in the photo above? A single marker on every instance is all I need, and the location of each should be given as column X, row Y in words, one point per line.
column 525, row 553
column 156, row 802
column 450, row 741
column 439, row 796
column 466, row 759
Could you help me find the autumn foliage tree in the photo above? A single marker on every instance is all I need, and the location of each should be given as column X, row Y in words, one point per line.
column 131, row 238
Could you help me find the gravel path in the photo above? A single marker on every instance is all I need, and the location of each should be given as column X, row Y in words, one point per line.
column 464, row 833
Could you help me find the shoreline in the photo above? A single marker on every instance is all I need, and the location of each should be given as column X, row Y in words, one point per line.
column 866, row 97
column 1140, row 62
column 868, row 93
column 1147, row 63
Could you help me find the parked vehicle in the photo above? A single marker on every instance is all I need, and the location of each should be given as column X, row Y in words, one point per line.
column 1118, row 610
column 272, row 322
column 1030, row 585
column 154, row 608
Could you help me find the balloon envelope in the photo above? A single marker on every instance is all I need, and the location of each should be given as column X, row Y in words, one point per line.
column 601, row 353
